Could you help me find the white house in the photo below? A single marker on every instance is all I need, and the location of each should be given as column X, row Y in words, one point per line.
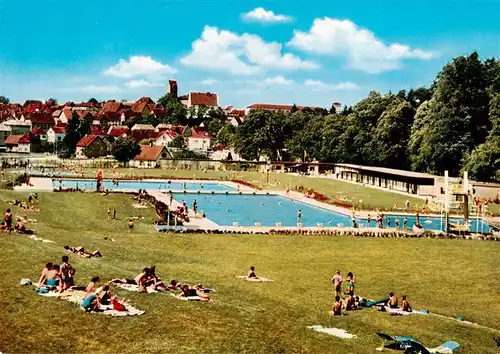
column 56, row 134
column 149, row 157
column 199, row 140
column 18, row 143
column 164, row 138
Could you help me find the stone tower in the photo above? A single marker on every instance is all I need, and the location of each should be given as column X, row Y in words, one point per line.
column 172, row 88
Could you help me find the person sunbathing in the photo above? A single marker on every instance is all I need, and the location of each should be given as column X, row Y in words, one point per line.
column 337, row 306
column 49, row 276
column 81, row 252
column 138, row 217
column 405, row 304
column 20, row 228
column 104, row 296
column 90, row 299
column 350, row 303
column 251, row 273
column 187, row 291
column 139, row 280
column 393, row 301
column 30, row 208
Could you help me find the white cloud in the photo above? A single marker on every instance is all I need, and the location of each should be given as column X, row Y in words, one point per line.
column 320, row 85
column 142, row 83
column 360, row 46
column 245, row 54
column 138, row 66
column 208, row 82
column 260, row 14
column 278, row 81
column 100, row 89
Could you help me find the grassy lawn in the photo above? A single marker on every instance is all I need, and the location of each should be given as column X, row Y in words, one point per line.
column 450, row 277
column 361, row 197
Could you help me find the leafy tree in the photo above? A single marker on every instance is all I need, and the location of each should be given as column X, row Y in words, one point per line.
column 419, row 95
column 294, row 108
column 484, row 162
column 96, row 149
column 35, row 143
column 4, row 100
column 214, row 126
column 125, row 149
column 175, row 111
column 179, row 142
column 226, row 135
column 72, row 136
column 93, row 101
column 457, row 117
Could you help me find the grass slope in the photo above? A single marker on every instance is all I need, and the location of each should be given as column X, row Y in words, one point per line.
column 451, row 277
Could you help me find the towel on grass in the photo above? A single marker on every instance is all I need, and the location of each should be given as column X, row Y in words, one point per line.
column 76, row 297
column 134, row 288
column 140, row 206
column 259, row 279
column 34, row 238
column 337, row 332
column 191, row 298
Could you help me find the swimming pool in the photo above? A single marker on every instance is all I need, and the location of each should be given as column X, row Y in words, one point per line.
column 164, row 185
column 246, row 210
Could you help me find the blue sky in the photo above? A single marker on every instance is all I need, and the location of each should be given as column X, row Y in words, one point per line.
column 303, row 52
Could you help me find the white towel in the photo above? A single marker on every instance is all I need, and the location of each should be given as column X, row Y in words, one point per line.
column 337, row 332
column 258, row 279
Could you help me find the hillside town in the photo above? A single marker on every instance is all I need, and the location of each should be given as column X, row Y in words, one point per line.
column 37, row 126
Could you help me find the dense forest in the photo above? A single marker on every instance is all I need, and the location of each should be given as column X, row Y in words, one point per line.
column 454, row 124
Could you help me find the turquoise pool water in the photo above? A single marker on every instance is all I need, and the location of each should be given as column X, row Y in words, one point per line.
column 165, row 185
column 266, row 209
column 270, row 209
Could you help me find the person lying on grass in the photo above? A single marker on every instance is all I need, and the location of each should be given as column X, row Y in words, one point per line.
column 81, row 252
column 405, row 304
column 67, row 273
column 187, row 291
column 139, row 280
column 50, row 276
column 90, row 299
column 138, row 217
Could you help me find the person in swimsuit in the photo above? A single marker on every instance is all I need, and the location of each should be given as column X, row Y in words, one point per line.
column 351, row 279
column 187, row 291
column 67, row 272
column 337, row 307
column 138, row 280
column 195, row 207
column 350, row 303
column 49, row 276
column 393, row 301
column 104, row 295
column 109, row 213
column 337, row 283
column 405, row 304
column 90, row 299
column 405, row 223
column 368, row 220
column 251, row 273
column 130, row 226
column 114, row 213
column 299, row 216
column 8, row 220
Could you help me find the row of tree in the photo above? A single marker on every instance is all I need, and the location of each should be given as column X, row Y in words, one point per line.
column 453, row 125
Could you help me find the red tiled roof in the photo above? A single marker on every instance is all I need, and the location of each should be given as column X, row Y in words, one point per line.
column 68, row 113
column 37, row 131
column 86, row 140
column 112, row 107
column 159, row 112
column 141, row 104
column 183, row 97
column 33, row 103
column 41, row 118
column 83, row 114
column 149, row 153
column 139, row 135
column 237, row 112
column 282, row 107
column 198, row 133
column 96, row 131
column 118, row 131
column 17, row 139
column 58, row 129
column 110, row 116
column 207, row 99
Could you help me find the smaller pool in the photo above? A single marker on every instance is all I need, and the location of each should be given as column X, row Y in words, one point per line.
column 164, row 185
column 429, row 223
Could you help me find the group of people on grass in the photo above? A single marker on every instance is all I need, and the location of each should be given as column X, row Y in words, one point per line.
column 353, row 302
column 60, row 277
column 7, row 224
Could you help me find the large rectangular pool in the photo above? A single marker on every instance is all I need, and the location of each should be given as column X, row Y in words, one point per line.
column 268, row 210
column 163, row 185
